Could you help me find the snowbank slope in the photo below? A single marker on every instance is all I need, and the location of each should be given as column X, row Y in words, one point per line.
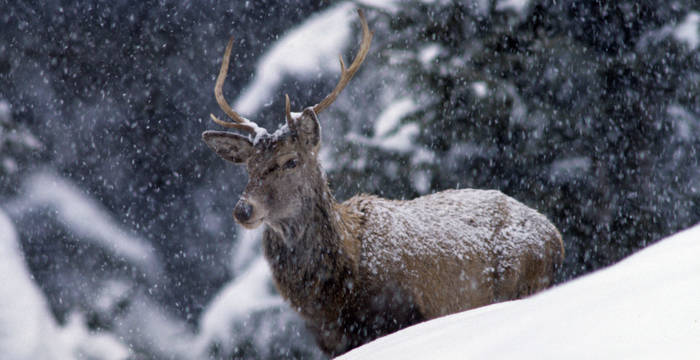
column 645, row 307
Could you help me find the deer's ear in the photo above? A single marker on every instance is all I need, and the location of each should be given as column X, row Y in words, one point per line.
column 231, row 147
column 308, row 128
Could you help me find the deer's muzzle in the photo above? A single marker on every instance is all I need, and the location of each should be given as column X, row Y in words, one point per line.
column 244, row 214
column 243, row 211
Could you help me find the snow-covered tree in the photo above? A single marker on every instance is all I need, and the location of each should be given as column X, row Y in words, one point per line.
column 585, row 111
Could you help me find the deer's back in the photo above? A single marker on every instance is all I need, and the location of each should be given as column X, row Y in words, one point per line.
column 456, row 249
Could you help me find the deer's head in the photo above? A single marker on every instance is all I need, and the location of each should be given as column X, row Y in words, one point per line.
column 283, row 167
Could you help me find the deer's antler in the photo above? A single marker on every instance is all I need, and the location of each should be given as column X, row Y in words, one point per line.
column 347, row 74
column 240, row 123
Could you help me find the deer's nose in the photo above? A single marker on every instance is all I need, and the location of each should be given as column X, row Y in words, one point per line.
column 243, row 211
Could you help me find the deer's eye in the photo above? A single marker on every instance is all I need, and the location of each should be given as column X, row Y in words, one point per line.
column 270, row 170
column 290, row 164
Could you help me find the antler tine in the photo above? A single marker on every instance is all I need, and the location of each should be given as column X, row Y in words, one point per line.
column 240, row 123
column 347, row 74
column 288, row 110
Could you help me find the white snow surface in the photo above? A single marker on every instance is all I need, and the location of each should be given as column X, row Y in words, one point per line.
column 27, row 327
column 310, row 50
column 687, row 31
column 645, row 307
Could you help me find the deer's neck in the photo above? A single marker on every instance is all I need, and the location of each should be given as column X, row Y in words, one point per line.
column 315, row 254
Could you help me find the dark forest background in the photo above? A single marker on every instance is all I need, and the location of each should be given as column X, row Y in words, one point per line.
column 587, row 111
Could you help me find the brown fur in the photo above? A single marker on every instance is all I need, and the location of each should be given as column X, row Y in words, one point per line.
column 370, row 266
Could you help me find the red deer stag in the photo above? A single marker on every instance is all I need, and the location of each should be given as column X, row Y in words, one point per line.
column 370, row 266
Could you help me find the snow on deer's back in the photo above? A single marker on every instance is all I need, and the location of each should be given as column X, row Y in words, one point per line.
column 458, row 249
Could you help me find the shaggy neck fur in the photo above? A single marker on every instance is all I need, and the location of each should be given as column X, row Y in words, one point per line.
column 315, row 260
column 314, row 255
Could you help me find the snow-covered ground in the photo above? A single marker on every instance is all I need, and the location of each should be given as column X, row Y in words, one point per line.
column 645, row 307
